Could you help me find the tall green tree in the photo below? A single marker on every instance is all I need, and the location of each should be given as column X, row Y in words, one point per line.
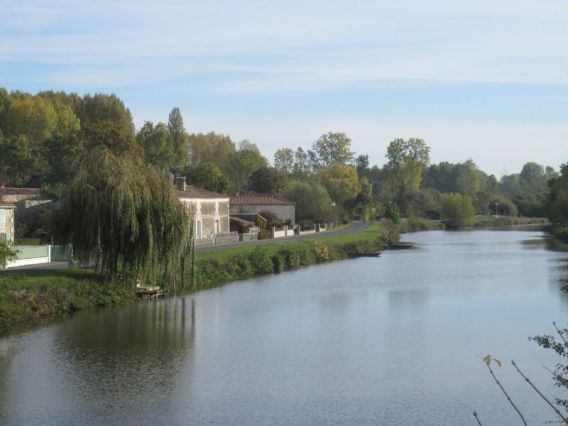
column 341, row 182
column 127, row 216
column 284, row 160
column 457, row 210
column 557, row 203
column 207, row 176
column 313, row 203
column 29, row 116
column 333, row 147
column 211, row 148
column 106, row 121
column 18, row 164
column 157, row 144
column 179, row 139
column 407, row 160
column 266, row 180
column 241, row 165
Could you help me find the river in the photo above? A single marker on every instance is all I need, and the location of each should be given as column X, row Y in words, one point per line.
column 395, row 340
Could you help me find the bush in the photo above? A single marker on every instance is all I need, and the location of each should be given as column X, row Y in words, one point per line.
column 457, row 210
column 261, row 262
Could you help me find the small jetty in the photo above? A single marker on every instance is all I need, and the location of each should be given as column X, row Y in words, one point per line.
column 400, row 246
column 372, row 254
column 148, row 292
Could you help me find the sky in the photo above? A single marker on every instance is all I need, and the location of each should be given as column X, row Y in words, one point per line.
column 477, row 79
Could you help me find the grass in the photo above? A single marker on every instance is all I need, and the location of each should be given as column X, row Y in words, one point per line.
column 490, row 221
column 43, row 295
column 27, row 298
column 215, row 268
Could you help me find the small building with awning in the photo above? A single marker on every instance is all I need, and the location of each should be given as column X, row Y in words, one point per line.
column 252, row 204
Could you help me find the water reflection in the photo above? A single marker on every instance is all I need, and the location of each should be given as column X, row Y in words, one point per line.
column 108, row 365
column 390, row 340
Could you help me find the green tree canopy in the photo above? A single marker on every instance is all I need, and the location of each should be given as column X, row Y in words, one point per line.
column 207, row 176
column 333, row 147
column 407, row 160
column 179, row 139
column 284, row 160
column 457, row 210
column 29, row 116
column 341, row 182
column 106, row 121
column 266, row 180
column 557, row 203
column 157, row 144
column 211, row 148
column 240, row 165
column 125, row 214
column 313, row 203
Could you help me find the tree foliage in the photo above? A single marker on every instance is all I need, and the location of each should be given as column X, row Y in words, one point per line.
column 333, row 147
column 457, row 210
column 341, row 182
column 6, row 253
column 211, row 148
column 557, row 203
column 207, row 176
column 156, row 141
column 179, row 139
column 313, row 203
column 241, row 165
column 266, row 180
column 125, row 215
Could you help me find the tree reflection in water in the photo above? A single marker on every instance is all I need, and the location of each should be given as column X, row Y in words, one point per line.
column 126, row 356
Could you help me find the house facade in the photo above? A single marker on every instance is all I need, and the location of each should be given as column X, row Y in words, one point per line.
column 8, row 199
column 210, row 210
column 7, row 223
column 253, row 204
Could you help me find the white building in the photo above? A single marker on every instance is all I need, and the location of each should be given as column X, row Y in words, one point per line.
column 210, row 210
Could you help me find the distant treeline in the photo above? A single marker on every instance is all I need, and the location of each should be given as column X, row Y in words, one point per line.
column 44, row 136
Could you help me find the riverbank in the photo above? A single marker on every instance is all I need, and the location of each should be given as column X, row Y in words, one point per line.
column 213, row 269
column 32, row 297
column 422, row 224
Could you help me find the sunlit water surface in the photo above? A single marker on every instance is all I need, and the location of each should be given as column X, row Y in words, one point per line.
column 395, row 340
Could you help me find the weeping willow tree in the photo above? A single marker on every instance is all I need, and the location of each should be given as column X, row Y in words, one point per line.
column 125, row 215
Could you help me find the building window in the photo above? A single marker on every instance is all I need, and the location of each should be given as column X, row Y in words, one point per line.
column 216, row 226
column 2, row 218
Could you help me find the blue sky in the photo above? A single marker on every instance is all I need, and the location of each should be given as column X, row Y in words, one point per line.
column 480, row 79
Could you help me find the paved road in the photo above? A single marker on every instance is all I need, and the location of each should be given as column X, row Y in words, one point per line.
column 350, row 229
column 57, row 266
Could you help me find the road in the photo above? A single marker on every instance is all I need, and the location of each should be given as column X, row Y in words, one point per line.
column 55, row 266
column 350, row 229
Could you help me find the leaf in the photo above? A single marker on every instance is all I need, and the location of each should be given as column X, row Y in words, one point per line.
column 488, row 358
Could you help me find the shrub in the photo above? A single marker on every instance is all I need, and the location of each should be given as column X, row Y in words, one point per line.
column 261, row 262
column 457, row 210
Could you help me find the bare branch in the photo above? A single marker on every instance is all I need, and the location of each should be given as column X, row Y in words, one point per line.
column 506, row 394
column 539, row 392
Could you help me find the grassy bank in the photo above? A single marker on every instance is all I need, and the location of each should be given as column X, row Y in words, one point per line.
column 418, row 224
column 29, row 298
column 33, row 297
column 504, row 221
column 422, row 224
column 213, row 269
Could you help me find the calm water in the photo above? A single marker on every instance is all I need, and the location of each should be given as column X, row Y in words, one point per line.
column 394, row 340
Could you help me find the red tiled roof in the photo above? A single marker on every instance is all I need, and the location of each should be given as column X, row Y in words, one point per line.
column 195, row 192
column 258, row 199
